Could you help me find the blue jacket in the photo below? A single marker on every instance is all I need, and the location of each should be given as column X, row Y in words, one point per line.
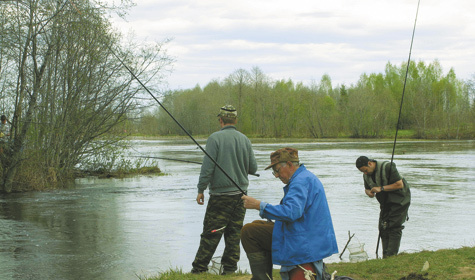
column 303, row 230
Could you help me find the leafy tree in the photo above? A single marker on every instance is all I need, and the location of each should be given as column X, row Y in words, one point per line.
column 256, row 105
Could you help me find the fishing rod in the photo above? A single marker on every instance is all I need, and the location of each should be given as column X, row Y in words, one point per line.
column 181, row 160
column 399, row 116
column 165, row 109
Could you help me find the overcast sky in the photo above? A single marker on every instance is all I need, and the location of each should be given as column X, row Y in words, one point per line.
column 304, row 39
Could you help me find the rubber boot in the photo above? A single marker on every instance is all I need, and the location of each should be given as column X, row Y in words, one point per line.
column 259, row 264
column 269, row 265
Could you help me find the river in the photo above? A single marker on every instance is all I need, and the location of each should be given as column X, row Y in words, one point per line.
column 141, row 226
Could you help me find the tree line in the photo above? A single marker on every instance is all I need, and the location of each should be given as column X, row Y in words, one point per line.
column 435, row 105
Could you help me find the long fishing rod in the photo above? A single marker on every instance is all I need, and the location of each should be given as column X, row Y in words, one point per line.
column 181, row 160
column 399, row 117
column 165, row 109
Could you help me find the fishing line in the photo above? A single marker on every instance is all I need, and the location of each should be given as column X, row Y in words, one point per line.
column 180, row 160
column 165, row 158
column 399, row 116
column 165, row 109
column 172, row 159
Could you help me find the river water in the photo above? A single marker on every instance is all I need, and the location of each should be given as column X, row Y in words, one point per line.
column 136, row 227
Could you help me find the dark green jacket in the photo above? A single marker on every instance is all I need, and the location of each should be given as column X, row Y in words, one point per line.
column 394, row 204
column 232, row 150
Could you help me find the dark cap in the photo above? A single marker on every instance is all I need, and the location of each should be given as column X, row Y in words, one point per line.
column 362, row 161
column 283, row 155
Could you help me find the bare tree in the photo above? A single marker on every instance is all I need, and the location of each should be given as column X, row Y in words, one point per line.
column 72, row 90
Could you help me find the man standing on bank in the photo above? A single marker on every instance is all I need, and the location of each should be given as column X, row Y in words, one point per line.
column 225, row 212
column 394, row 196
column 302, row 235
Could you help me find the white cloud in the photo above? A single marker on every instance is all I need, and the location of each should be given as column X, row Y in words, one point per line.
column 303, row 40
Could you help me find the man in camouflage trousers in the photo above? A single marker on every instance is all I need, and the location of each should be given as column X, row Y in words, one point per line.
column 232, row 150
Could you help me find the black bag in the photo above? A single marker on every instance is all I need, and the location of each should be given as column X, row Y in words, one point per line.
column 328, row 276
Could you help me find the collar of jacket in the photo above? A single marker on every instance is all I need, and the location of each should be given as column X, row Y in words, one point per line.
column 296, row 173
column 228, row 127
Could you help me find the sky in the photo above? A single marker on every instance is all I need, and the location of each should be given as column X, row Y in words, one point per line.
column 304, row 39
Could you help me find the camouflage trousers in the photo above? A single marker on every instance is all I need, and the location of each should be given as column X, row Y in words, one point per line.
column 222, row 211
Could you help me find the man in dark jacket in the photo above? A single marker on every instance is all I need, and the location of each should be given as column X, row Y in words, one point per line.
column 381, row 179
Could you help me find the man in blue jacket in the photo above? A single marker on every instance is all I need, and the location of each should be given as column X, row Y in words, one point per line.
column 302, row 235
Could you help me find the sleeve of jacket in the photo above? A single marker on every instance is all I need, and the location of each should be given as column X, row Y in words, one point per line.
column 394, row 173
column 292, row 206
column 252, row 160
column 208, row 166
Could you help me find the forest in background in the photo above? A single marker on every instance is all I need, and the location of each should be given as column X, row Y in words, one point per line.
column 435, row 106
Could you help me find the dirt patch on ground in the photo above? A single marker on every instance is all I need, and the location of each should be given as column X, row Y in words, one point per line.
column 245, row 277
column 465, row 273
column 415, row 276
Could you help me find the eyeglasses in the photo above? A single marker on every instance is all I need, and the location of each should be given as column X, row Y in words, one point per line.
column 275, row 172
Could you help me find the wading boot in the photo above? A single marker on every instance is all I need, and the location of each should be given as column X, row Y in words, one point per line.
column 259, row 264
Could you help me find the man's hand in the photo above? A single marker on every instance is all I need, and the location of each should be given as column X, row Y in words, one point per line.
column 250, row 202
column 369, row 193
column 200, row 199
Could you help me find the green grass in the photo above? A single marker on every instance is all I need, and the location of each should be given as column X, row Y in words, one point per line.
column 443, row 264
column 447, row 264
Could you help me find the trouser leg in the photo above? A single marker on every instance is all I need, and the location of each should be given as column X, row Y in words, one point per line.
column 256, row 238
column 232, row 237
column 208, row 244
column 218, row 213
column 391, row 239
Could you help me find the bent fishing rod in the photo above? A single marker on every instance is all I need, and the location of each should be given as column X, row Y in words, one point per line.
column 165, row 109
column 399, row 116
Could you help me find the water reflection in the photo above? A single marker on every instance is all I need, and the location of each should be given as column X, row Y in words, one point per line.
column 117, row 229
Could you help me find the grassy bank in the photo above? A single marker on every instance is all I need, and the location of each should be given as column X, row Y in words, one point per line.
column 447, row 264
